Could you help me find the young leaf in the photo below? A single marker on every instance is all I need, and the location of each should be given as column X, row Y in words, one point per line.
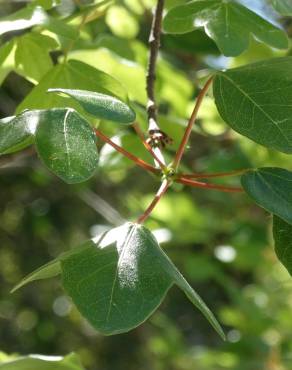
column 40, row 362
column 284, row 7
column 282, row 232
column 18, row 132
column 101, row 105
column 67, row 145
column 271, row 189
column 255, row 100
column 120, row 282
column 32, row 57
column 227, row 22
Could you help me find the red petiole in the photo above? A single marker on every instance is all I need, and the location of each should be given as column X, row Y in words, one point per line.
column 127, row 154
column 212, row 175
column 198, row 184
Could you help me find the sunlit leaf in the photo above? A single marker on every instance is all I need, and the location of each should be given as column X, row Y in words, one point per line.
column 36, row 16
column 40, row 362
column 66, row 144
column 18, row 132
column 255, row 100
column 32, row 57
column 101, row 105
column 228, row 23
column 72, row 75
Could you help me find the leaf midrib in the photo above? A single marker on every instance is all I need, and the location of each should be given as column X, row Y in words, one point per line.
column 120, row 259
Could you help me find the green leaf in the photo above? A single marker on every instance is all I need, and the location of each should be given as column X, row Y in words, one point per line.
column 18, row 132
column 120, row 282
column 36, row 16
column 32, row 55
column 66, row 144
column 227, row 22
column 255, row 100
column 49, row 270
column 101, row 105
column 72, row 75
column 282, row 232
column 271, row 189
column 39, row 362
column 284, row 7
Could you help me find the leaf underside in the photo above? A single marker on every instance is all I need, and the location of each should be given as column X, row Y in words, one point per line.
column 100, row 105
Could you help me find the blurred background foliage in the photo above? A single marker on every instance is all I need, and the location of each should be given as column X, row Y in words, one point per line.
column 221, row 242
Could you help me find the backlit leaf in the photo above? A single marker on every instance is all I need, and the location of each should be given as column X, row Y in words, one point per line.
column 228, row 23
column 72, row 75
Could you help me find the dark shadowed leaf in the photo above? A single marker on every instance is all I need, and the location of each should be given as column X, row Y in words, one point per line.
column 255, row 101
column 50, row 269
column 100, row 105
column 18, row 132
column 271, row 188
column 66, row 143
column 282, row 232
column 228, row 23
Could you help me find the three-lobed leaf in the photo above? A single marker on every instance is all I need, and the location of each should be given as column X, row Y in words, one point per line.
column 255, row 100
column 228, row 23
column 101, row 105
column 66, row 144
column 120, row 278
column 271, row 188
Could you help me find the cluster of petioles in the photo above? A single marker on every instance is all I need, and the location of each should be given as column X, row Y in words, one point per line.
column 169, row 173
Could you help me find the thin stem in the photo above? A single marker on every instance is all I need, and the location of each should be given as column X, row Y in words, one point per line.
column 127, row 154
column 154, row 42
column 161, row 191
column 146, row 145
column 192, row 119
column 204, row 185
column 154, row 45
column 211, row 175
